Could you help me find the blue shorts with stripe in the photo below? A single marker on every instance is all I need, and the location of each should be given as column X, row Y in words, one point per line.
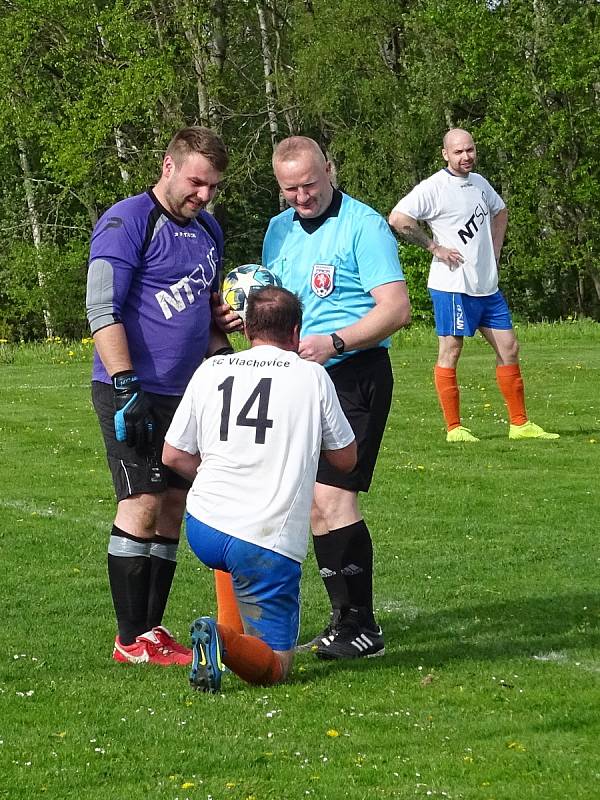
column 459, row 314
column 266, row 584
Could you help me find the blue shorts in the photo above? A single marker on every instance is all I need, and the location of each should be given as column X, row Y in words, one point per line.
column 266, row 584
column 462, row 314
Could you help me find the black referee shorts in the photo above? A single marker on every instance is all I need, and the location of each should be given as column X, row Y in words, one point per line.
column 364, row 384
column 131, row 472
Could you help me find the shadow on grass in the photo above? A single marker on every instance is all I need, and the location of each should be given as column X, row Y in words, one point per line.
column 484, row 632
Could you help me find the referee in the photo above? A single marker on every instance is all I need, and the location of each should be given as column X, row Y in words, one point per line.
column 341, row 258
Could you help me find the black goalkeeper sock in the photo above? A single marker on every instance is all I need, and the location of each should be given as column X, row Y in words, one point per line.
column 163, row 557
column 129, row 576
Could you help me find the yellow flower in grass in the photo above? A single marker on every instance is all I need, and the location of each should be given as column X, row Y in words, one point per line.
column 188, row 785
column 332, row 733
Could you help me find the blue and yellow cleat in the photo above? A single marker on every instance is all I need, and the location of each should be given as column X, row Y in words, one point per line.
column 207, row 648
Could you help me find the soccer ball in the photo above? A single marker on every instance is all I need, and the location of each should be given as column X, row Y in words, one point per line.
column 241, row 281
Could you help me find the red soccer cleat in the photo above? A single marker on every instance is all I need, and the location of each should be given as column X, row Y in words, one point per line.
column 167, row 640
column 152, row 648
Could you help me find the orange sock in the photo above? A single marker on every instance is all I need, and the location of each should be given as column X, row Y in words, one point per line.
column 448, row 395
column 227, row 607
column 511, row 385
column 250, row 658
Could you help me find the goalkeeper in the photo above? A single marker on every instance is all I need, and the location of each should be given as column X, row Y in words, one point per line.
column 249, row 433
column 154, row 263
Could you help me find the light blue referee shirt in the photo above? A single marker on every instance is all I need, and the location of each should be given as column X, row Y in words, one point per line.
column 333, row 266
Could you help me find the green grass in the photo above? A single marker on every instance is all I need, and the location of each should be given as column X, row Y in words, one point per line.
column 487, row 569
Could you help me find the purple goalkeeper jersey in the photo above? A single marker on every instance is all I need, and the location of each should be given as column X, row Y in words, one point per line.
column 155, row 275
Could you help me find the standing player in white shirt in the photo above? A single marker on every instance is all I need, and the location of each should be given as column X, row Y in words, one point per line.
column 249, row 432
column 468, row 219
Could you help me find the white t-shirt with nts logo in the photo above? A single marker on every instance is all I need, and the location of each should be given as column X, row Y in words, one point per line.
column 458, row 210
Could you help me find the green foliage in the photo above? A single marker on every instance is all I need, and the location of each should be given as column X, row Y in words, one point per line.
column 415, row 264
column 95, row 90
column 62, row 292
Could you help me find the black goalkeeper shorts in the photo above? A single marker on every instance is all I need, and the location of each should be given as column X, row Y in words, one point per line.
column 131, row 472
column 364, row 384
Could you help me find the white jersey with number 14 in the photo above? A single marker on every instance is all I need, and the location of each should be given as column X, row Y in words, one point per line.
column 258, row 419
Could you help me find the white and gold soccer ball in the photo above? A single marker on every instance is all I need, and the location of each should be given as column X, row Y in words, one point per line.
column 241, row 281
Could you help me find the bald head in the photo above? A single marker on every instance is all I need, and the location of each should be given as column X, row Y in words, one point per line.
column 454, row 133
column 459, row 151
column 295, row 147
column 304, row 176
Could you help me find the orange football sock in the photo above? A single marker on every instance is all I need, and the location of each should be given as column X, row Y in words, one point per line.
column 511, row 385
column 250, row 658
column 228, row 612
column 448, row 395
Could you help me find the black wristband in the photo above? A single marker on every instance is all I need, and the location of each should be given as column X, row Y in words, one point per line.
column 223, row 351
column 127, row 379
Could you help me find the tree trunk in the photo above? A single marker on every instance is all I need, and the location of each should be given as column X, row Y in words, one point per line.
column 190, row 31
column 119, row 138
column 34, row 223
column 268, row 72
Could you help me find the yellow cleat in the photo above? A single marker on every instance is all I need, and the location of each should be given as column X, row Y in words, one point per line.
column 461, row 434
column 530, row 431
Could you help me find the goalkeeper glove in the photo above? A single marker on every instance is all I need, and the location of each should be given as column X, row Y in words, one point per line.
column 134, row 422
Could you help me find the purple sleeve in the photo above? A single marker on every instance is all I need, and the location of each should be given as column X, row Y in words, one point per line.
column 115, row 253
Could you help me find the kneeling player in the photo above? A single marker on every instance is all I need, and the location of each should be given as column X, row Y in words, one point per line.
column 249, row 432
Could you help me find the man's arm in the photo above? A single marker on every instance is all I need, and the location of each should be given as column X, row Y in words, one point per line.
column 112, row 347
column 390, row 313
column 343, row 459
column 408, row 228
column 180, row 461
column 498, row 226
column 217, row 341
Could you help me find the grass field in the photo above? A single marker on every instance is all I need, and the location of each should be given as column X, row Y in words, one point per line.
column 487, row 587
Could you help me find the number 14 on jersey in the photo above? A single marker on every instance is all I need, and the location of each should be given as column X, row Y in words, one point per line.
column 260, row 396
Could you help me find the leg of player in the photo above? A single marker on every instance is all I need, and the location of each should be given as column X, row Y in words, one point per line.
column 141, row 567
column 510, row 383
column 163, row 562
column 446, row 385
column 328, row 552
column 344, row 553
column 228, row 612
column 217, row 646
column 266, row 588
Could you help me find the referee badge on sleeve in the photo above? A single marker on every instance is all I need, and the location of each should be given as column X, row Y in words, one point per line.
column 321, row 280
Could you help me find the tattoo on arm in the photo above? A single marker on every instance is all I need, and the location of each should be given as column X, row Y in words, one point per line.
column 414, row 235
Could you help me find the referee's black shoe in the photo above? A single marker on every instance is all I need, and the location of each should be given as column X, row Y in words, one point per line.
column 352, row 640
column 326, row 634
